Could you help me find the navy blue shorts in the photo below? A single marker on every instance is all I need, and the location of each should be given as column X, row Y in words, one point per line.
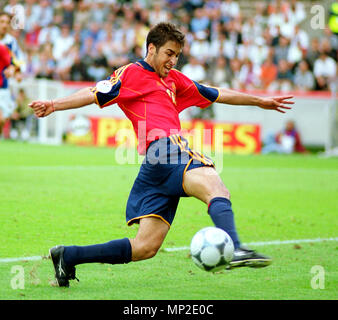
column 159, row 184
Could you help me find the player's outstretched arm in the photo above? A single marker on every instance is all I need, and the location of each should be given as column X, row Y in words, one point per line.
column 81, row 98
column 279, row 104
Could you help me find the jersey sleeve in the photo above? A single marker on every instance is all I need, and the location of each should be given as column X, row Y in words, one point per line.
column 191, row 93
column 110, row 90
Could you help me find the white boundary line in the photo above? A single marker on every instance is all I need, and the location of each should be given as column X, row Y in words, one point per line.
column 260, row 243
column 34, row 258
column 265, row 243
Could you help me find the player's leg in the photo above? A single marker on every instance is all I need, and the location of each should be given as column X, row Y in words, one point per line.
column 65, row 258
column 149, row 238
column 205, row 184
column 145, row 245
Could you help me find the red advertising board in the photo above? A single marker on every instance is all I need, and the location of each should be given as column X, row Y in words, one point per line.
column 238, row 138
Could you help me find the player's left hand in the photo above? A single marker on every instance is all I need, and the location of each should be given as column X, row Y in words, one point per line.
column 276, row 103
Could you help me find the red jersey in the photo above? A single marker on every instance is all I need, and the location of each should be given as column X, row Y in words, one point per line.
column 5, row 61
column 150, row 102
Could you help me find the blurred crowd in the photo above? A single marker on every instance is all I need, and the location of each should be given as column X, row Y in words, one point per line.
column 85, row 40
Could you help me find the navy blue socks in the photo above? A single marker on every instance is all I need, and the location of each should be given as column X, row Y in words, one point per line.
column 113, row 252
column 222, row 216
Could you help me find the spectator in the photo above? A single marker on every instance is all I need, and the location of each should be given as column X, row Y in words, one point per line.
column 23, row 121
column 32, row 37
column 64, row 65
column 47, row 66
column 287, row 28
column 284, row 78
column 300, row 37
column 79, row 70
column 230, row 10
column 46, row 13
column 275, row 17
column 324, row 69
column 332, row 37
column 219, row 73
column 200, row 47
column 135, row 54
column 304, row 79
column 268, row 72
column 199, row 22
column 62, row 43
column 235, row 69
column 157, row 14
column 313, row 52
column 194, row 70
column 32, row 63
column 82, row 13
column 68, row 12
column 296, row 12
column 287, row 141
column 249, row 76
column 98, row 12
column 325, row 46
column 192, row 5
column 282, row 49
column 48, row 34
column 259, row 52
column 251, row 30
column 32, row 14
column 295, row 54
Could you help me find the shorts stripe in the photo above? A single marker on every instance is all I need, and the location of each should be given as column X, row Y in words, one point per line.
column 176, row 139
column 185, row 170
column 131, row 221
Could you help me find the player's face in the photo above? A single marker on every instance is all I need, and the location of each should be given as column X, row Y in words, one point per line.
column 165, row 58
column 4, row 25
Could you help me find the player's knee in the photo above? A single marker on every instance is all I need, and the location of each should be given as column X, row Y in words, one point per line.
column 143, row 251
column 217, row 191
column 147, row 252
column 150, row 252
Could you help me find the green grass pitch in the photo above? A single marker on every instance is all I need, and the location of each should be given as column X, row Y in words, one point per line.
column 77, row 195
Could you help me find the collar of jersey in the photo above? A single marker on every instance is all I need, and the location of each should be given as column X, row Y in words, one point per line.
column 146, row 65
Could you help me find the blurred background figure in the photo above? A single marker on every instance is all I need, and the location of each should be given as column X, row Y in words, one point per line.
column 23, row 121
column 11, row 62
column 194, row 69
column 304, row 79
column 324, row 69
column 287, row 141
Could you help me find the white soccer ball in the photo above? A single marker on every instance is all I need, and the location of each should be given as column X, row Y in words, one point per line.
column 211, row 249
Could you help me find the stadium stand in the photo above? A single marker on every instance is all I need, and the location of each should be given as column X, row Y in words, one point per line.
column 84, row 40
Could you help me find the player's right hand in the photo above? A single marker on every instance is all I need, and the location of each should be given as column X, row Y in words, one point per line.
column 42, row 108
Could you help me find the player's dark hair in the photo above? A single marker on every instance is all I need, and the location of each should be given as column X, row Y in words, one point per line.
column 164, row 32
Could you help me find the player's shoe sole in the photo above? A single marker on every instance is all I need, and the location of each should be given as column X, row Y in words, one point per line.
column 63, row 273
column 244, row 257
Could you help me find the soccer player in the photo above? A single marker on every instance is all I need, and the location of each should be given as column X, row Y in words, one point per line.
column 7, row 104
column 5, row 61
column 152, row 94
